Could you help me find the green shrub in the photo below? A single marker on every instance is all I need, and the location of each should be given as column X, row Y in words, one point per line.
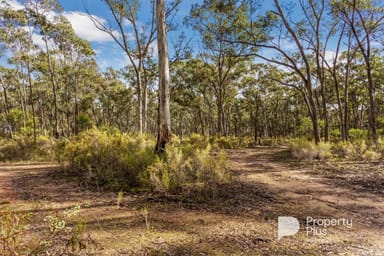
column 357, row 134
column 85, row 122
column 185, row 168
column 108, row 158
column 24, row 149
column 379, row 148
column 13, row 228
column 334, row 135
column 196, row 140
column 370, row 155
column 340, row 149
column 18, row 234
column 306, row 150
column 358, row 150
column 232, row 142
column 350, row 150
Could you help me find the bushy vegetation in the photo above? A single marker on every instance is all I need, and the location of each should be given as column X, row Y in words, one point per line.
column 24, row 148
column 189, row 167
column 55, row 237
column 108, row 158
column 304, row 149
column 355, row 149
column 119, row 161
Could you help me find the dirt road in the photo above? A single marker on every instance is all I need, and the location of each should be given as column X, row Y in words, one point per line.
column 240, row 220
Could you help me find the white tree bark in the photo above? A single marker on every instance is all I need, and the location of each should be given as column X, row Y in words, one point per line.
column 164, row 119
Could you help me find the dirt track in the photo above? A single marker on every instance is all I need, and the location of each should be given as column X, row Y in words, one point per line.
column 241, row 220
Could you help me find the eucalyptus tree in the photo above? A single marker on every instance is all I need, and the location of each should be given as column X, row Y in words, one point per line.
column 164, row 116
column 225, row 61
column 38, row 13
column 365, row 20
column 74, row 55
column 317, row 29
column 193, row 97
column 136, row 36
column 7, row 81
column 289, row 51
column 16, row 35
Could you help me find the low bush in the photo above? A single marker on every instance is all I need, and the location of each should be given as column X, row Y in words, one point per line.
column 13, row 227
column 18, row 234
column 25, row 149
column 379, row 148
column 185, row 168
column 306, row 150
column 227, row 142
column 108, row 158
column 196, row 140
column 118, row 161
column 351, row 150
column 357, row 134
column 232, row 142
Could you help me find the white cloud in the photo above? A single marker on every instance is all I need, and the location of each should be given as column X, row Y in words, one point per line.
column 81, row 23
column 85, row 28
column 330, row 56
column 153, row 49
column 13, row 4
column 38, row 40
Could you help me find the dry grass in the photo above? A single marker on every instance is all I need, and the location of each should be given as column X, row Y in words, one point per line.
column 241, row 220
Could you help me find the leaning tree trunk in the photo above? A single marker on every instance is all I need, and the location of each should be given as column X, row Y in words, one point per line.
column 164, row 118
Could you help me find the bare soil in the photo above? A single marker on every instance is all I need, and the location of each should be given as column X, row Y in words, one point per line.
column 240, row 220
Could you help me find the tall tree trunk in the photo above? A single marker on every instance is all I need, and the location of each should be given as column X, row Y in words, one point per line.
column 54, row 90
column 139, row 99
column 372, row 103
column 76, row 110
column 346, row 90
column 313, row 113
column 6, row 107
column 220, row 125
column 145, row 102
column 256, row 121
column 346, row 108
column 164, row 125
column 31, row 102
column 325, row 113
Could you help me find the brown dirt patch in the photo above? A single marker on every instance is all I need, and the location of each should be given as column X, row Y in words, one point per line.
column 240, row 220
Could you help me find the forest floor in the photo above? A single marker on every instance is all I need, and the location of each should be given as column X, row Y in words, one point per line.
column 241, row 220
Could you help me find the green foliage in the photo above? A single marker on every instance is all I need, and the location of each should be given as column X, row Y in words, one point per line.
column 350, row 150
column 108, row 158
column 85, row 122
column 379, row 147
column 24, row 149
column 307, row 150
column 358, row 134
column 13, row 227
column 305, row 127
column 186, row 167
column 227, row 142
column 196, row 140
column 334, row 135
column 119, row 161
column 358, row 149
column 232, row 142
column 17, row 236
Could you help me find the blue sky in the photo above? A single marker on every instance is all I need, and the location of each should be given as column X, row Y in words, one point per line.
column 107, row 51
